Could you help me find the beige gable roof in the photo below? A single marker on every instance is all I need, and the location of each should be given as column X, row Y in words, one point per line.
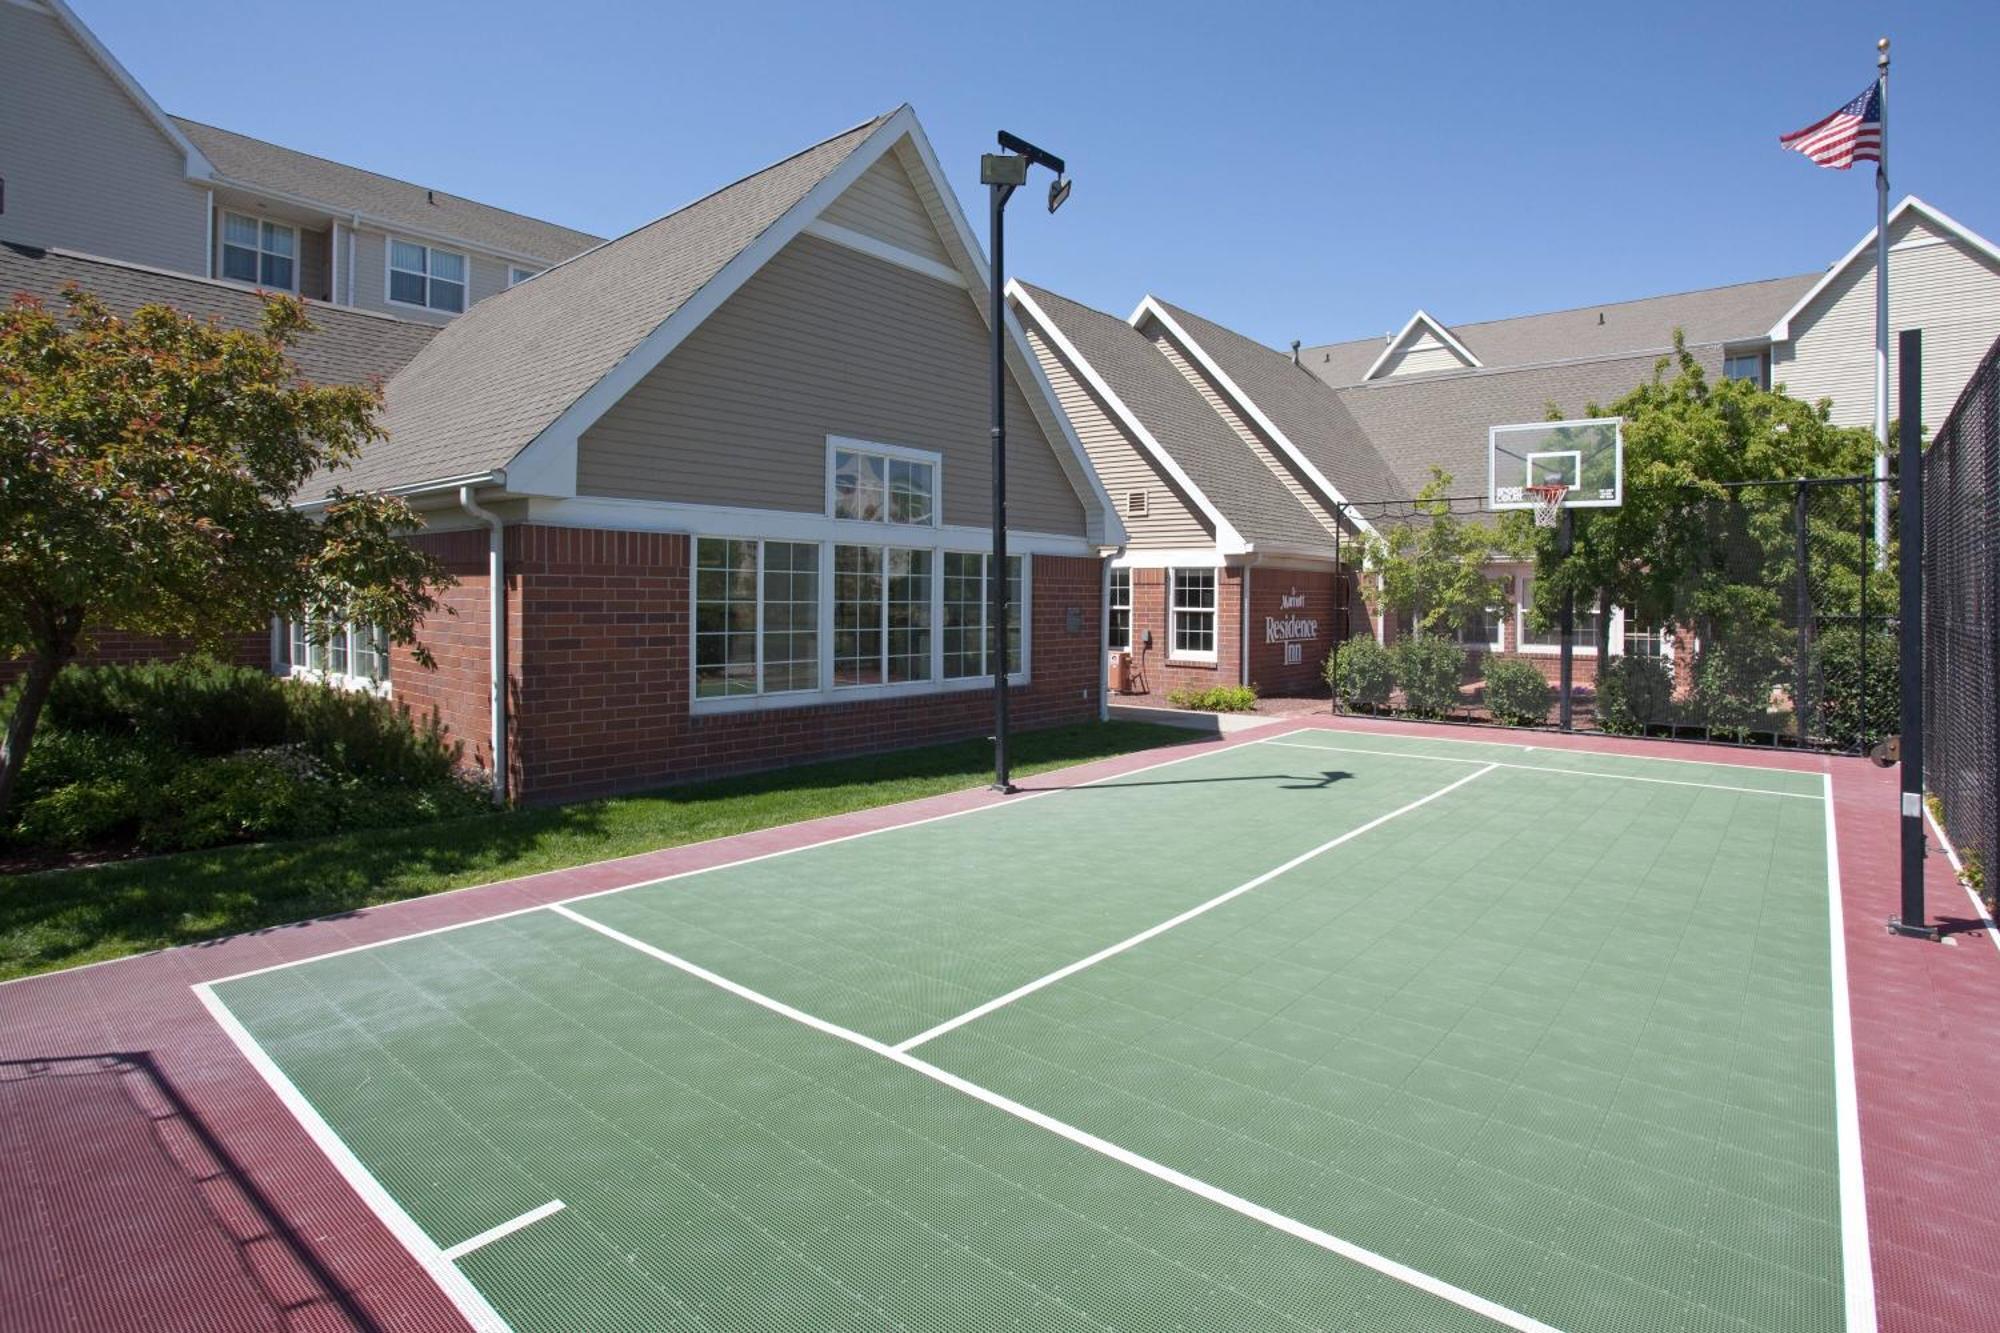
column 498, row 375
column 384, row 199
column 345, row 347
column 1743, row 312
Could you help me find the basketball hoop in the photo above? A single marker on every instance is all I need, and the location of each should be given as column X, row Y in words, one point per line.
column 1548, row 502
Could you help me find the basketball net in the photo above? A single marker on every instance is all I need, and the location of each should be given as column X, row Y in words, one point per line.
column 1548, row 503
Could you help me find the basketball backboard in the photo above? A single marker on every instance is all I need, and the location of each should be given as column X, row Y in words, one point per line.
column 1586, row 456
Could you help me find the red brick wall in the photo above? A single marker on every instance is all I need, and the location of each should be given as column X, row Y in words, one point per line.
column 602, row 657
column 118, row 648
column 1154, row 672
column 456, row 692
column 1269, row 588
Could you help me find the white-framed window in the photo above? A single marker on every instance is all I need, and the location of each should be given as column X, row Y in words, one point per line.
column 349, row 655
column 1642, row 640
column 1191, row 633
column 881, row 483
column 427, row 277
column 968, row 602
column 1746, row 366
column 516, row 275
column 259, row 251
column 881, row 615
column 1534, row 640
column 756, row 617
column 1118, row 621
column 1484, row 629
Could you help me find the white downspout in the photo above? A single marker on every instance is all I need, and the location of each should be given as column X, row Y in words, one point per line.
column 209, row 238
column 496, row 583
column 1243, row 653
column 1104, row 639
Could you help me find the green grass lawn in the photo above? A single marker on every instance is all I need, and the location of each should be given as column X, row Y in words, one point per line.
column 65, row 917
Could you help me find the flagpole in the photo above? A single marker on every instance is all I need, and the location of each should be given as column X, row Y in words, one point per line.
column 1882, row 310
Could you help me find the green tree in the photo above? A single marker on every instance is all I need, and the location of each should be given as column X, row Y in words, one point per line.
column 1433, row 568
column 147, row 470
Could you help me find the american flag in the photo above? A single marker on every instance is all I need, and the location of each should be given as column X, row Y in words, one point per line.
column 1851, row 134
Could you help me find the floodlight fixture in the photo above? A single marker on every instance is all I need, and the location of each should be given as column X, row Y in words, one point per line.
column 1058, row 192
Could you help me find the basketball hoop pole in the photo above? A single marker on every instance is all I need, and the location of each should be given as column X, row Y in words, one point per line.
column 1910, row 557
column 1566, row 621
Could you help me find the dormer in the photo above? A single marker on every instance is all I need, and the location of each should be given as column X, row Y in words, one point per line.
column 1422, row 347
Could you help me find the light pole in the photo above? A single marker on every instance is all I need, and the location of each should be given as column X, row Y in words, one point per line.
column 1003, row 173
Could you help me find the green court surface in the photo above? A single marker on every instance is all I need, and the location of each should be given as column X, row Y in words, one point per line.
column 1330, row 1031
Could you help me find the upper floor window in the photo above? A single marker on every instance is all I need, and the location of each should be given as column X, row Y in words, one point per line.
column 1745, row 366
column 254, row 250
column 516, row 275
column 423, row 275
column 883, row 484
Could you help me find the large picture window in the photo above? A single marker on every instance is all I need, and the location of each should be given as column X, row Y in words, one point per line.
column 881, row 615
column 423, row 275
column 1118, row 624
column 967, row 615
column 756, row 617
column 1193, row 630
column 254, row 250
column 880, row 486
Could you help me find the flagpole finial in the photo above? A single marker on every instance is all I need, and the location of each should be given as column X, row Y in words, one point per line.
column 1882, row 46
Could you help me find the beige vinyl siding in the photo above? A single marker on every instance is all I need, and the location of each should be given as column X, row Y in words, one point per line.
column 1252, row 438
column 1122, row 463
column 824, row 341
column 86, row 169
column 486, row 274
column 1941, row 286
column 1422, row 354
column 884, row 204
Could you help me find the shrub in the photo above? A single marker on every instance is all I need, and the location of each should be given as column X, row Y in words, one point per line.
column 1844, row 692
column 1216, row 699
column 1733, row 686
column 80, row 791
column 195, row 706
column 274, row 793
column 1430, row 670
column 1361, row 673
column 1634, row 693
column 1516, row 692
column 363, row 736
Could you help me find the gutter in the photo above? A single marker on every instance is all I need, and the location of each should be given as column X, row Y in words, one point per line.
column 374, row 222
column 496, row 586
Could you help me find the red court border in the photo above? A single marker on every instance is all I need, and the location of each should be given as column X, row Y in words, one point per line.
column 217, row 1213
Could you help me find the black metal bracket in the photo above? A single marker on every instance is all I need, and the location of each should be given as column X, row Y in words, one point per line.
column 1898, row 926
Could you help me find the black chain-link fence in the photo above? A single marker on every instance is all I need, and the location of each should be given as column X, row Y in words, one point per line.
column 1777, row 629
column 1961, row 627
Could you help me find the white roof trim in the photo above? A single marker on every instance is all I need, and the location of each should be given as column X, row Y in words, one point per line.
column 1438, row 331
column 361, row 220
column 1782, row 330
column 1149, row 307
column 196, row 165
column 1226, row 536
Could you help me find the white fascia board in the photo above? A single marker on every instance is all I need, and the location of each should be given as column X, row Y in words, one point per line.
column 1104, row 524
column 1150, row 308
column 1226, row 535
column 1438, row 331
column 876, row 248
column 195, row 162
column 1782, row 330
column 374, row 223
column 620, row 515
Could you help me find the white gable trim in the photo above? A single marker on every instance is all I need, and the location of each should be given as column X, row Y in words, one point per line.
column 197, row 166
column 1150, row 308
column 1782, row 330
column 1226, row 536
column 1438, row 331
column 877, row 248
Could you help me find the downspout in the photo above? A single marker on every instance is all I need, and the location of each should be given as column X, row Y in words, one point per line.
column 1243, row 653
column 1104, row 639
column 209, row 239
column 496, row 586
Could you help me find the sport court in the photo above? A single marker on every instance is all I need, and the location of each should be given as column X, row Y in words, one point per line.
column 1334, row 1030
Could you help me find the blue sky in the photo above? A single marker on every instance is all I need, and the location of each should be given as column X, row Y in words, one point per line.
column 1294, row 170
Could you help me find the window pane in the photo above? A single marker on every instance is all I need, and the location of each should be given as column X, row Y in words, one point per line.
column 517, row 276
column 238, row 264
column 791, row 616
column 277, row 272
column 406, row 287
column 1118, row 628
column 1194, row 611
column 964, row 616
column 1014, row 563
column 909, row 615
column 725, row 617
column 909, row 491
column 447, row 296
column 857, row 615
column 239, row 230
column 278, row 239
column 857, row 486
column 403, row 255
column 449, row 266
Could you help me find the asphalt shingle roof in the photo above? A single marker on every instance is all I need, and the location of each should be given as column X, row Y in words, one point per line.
column 345, row 347
column 499, row 374
column 1173, row 411
column 1746, row 310
column 255, row 162
column 1310, row 414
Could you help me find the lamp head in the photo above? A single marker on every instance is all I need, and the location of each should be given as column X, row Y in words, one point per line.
column 1058, row 192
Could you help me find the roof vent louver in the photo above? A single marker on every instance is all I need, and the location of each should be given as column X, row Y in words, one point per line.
column 1136, row 503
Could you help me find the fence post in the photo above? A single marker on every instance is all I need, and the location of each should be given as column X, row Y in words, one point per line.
column 1802, row 665
column 1910, row 571
column 1867, row 495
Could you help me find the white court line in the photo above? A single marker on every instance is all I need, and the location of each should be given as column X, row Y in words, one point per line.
column 1958, row 869
column 1312, row 1235
column 1011, row 804
column 507, row 1228
column 1857, row 1270
column 1554, row 749
column 1001, row 1001
column 458, row 1289
column 1543, row 768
